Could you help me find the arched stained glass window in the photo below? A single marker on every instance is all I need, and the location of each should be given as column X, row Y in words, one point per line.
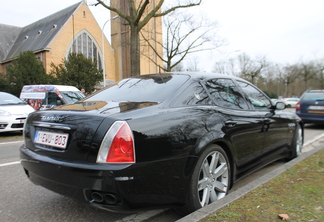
column 84, row 43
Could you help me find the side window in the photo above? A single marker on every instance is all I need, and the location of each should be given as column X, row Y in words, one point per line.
column 195, row 94
column 225, row 93
column 257, row 98
column 52, row 98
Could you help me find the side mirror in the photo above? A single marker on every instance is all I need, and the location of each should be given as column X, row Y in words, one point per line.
column 58, row 102
column 280, row 105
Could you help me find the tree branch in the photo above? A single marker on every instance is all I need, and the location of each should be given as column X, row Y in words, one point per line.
column 122, row 15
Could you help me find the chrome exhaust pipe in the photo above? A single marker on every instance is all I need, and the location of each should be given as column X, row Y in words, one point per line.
column 97, row 197
column 110, row 198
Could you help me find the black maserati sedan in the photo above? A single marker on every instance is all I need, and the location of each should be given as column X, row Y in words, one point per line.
column 162, row 140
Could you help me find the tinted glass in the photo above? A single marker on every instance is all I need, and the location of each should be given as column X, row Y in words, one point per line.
column 150, row 88
column 194, row 94
column 52, row 98
column 225, row 93
column 256, row 97
column 72, row 96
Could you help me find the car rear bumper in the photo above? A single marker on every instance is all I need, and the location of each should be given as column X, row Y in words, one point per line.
column 103, row 186
column 311, row 118
column 73, row 180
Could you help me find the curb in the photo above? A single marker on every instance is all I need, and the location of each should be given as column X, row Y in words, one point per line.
column 213, row 207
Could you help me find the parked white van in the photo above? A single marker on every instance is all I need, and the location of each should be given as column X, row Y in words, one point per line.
column 43, row 97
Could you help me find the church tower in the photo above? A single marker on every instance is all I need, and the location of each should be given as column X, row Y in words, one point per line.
column 120, row 41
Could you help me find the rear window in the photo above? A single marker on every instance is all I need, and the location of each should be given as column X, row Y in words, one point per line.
column 314, row 96
column 72, row 96
column 147, row 88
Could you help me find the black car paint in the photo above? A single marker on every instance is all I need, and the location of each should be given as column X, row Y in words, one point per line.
column 168, row 141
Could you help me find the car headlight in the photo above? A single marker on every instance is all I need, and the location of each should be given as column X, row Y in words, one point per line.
column 4, row 113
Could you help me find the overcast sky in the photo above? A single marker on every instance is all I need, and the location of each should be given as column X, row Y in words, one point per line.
column 285, row 31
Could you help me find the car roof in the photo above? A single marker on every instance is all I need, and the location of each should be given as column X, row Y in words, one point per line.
column 315, row 91
column 7, row 93
column 28, row 88
column 201, row 75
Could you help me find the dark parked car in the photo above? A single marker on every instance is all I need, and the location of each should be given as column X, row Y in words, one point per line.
column 310, row 108
column 162, row 140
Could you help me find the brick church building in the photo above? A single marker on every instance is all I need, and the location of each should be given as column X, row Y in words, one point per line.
column 75, row 29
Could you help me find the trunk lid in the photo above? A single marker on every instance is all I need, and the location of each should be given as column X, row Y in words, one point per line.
column 74, row 132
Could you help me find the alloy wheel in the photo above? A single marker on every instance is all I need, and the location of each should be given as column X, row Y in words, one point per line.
column 213, row 178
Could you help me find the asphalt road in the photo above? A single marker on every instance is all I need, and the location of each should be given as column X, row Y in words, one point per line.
column 20, row 200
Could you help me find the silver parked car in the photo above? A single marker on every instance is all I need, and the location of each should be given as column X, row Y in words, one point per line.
column 290, row 102
column 13, row 112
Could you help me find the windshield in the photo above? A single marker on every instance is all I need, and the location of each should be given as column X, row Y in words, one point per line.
column 8, row 99
column 72, row 96
column 147, row 88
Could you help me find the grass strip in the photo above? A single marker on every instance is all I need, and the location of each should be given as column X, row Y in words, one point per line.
column 298, row 192
column 10, row 136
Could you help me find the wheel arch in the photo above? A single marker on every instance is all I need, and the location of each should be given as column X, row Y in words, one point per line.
column 211, row 138
column 302, row 126
column 219, row 146
column 294, row 143
column 230, row 157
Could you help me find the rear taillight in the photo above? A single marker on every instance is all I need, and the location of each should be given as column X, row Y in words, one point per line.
column 298, row 105
column 117, row 145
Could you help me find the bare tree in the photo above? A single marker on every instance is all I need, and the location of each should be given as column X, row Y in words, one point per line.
column 277, row 79
column 137, row 16
column 184, row 34
column 320, row 73
column 225, row 66
column 178, row 67
column 251, row 69
column 308, row 72
column 290, row 74
column 293, row 80
column 219, row 66
column 192, row 64
column 276, row 73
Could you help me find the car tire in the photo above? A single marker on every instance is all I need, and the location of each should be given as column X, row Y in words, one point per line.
column 288, row 106
column 297, row 144
column 210, row 180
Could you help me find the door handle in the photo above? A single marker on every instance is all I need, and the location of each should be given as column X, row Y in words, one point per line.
column 230, row 123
